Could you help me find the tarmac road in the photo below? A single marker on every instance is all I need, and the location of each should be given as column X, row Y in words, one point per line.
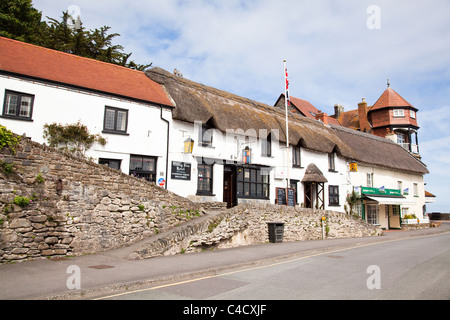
column 110, row 272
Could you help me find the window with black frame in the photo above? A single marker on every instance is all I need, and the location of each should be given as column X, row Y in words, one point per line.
column 333, row 195
column 253, row 183
column 115, row 120
column 296, row 157
column 143, row 167
column 18, row 105
column 112, row 163
column 205, row 179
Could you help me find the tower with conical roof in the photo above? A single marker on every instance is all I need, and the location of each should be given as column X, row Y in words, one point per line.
column 395, row 118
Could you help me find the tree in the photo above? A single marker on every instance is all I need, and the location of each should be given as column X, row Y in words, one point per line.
column 20, row 21
column 74, row 138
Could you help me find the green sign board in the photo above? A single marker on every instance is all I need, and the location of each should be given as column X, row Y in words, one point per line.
column 381, row 191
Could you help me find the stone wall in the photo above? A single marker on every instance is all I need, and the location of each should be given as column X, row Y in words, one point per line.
column 246, row 224
column 53, row 204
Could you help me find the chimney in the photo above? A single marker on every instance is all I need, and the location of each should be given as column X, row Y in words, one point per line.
column 391, row 135
column 322, row 117
column 338, row 110
column 362, row 114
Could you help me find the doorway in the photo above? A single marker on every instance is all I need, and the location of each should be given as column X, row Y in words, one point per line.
column 314, row 195
column 229, row 186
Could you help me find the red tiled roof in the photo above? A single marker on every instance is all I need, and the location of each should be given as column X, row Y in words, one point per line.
column 46, row 64
column 308, row 110
column 390, row 98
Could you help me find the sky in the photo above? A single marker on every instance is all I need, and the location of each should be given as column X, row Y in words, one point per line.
column 337, row 52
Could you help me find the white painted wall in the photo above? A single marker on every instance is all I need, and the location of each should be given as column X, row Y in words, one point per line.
column 389, row 179
column 146, row 131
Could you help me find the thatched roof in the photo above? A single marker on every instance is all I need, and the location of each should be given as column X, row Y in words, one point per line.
column 313, row 174
column 374, row 150
column 197, row 102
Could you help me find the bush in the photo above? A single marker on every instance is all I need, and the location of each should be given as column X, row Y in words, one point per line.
column 74, row 138
column 21, row 201
column 8, row 139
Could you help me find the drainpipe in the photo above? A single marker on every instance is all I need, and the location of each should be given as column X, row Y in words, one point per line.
column 167, row 146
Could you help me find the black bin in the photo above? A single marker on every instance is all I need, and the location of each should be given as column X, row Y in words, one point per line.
column 276, row 232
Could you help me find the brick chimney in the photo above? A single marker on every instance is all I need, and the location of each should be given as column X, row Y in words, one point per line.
column 362, row 114
column 338, row 110
column 322, row 117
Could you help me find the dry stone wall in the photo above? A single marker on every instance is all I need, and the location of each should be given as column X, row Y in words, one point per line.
column 53, row 205
column 247, row 224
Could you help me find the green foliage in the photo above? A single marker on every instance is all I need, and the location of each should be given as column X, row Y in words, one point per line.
column 351, row 200
column 39, row 178
column 8, row 139
column 20, row 21
column 7, row 167
column 21, row 201
column 74, row 138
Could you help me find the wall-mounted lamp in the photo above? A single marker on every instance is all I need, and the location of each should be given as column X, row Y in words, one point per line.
column 188, row 145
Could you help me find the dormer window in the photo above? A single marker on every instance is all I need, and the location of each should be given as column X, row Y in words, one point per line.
column 266, row 146
column 399, row 113
column 206, row 134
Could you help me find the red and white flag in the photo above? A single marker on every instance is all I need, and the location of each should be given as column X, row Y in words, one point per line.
column 286, row 90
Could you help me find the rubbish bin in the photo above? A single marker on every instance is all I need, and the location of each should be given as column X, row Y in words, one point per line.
column 276, row 231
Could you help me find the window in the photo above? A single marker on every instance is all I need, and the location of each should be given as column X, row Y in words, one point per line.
column 399, row 113
column 296, row 157
column 18, row 105
column 395, row 210
column 205, row 179
column 372, row 213
column 405, row 211
column 143, row 167
column 401, row 138
column 416, row 190
column 206, row 135
column 116, row 120
column 412, row 114
column 333, row 195
column 331, row 163
column 252, row 183
column 266, row 146
column 112, row 163
column 370, row 180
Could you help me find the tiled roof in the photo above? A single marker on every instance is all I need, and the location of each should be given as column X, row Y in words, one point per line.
column 390, row 98
column 308, row 110
column 45, row 64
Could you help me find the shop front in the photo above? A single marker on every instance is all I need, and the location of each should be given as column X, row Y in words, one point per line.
column 380, row 206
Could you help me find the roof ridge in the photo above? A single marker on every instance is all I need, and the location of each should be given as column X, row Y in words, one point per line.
column 72, row 55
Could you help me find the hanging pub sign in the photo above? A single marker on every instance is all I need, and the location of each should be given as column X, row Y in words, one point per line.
column 246, row 155
column 353, row 166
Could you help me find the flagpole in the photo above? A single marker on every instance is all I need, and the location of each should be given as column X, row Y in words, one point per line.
column 286, row 102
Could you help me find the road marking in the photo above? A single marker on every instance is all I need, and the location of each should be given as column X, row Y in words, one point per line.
column 264, row 266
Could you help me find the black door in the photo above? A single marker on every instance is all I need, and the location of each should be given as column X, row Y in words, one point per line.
column 229, row 186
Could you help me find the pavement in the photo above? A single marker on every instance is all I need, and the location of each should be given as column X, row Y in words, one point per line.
column 90, row 276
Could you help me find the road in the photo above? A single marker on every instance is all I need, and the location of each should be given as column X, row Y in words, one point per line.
column 411, row 268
